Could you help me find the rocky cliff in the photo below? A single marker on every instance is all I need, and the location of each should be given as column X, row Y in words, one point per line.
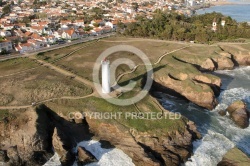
column 183, row 75
column 32, row 136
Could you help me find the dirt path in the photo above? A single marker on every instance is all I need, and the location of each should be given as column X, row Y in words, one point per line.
column 157, row 62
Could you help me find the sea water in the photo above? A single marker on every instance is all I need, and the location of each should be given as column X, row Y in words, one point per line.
column 239, row 12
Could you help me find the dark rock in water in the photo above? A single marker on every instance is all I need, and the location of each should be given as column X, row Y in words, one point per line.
column 239, row 114
column 84, row 156
column 222, row 113
column 240, row 117
column 234, row 157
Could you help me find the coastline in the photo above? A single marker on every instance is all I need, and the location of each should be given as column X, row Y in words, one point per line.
column 221, row 3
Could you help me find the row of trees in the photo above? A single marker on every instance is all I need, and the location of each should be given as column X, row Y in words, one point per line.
column 172, row 26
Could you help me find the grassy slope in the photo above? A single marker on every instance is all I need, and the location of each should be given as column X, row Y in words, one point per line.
column 35, row 85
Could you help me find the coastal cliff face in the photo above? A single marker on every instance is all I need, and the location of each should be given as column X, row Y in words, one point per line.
column 25, row 138
column 199, row 93
column 183, row 75
column 45, row 130
column 147, row 148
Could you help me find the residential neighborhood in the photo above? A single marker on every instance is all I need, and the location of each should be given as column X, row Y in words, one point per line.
column 27, row 25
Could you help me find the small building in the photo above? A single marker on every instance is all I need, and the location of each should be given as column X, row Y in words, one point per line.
column 6, row 45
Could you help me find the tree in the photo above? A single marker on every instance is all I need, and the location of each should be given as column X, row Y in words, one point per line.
column 135, row 6
column 7, row 9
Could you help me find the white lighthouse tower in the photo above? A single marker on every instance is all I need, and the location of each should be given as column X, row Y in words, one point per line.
column 214, row 25
column 105, row 76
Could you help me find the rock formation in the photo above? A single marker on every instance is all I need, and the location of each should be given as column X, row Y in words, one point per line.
column 242, row 58
column 239, row 114
column 45, row 130
column 84, row 157
column 146, row 148
column 199, row 93
column 234, row 157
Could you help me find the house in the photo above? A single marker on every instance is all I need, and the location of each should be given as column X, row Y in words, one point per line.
column 109, row 24
column 69, row 34
column 65, row 22
column 50, row 39
column 83, row 34
column 25, row 47
column 6, row 45
column 5, row 33
column 37, row 44
column 107, row 29
column 79, row 23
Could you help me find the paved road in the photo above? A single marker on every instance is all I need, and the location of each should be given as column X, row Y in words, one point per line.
column 54, row 47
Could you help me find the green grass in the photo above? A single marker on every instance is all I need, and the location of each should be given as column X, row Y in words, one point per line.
column 51, row 56
column 16, row 65
column 94, row 104
column 3, row 113
column 38, row 85
column 82, row 61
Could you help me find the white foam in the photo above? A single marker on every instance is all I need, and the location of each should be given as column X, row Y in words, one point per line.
column 229, row 96
column 53, row 161
column 106, row 157
column 240, row 71
column 209, row 150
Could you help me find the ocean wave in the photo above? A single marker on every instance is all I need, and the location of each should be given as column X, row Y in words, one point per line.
column 237, row 72
column 210, row 150
column 227, row 97
column 106, row 157
column 53, row 161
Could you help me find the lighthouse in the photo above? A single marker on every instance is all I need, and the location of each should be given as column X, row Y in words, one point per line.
column 214, row 25
column 105, row 76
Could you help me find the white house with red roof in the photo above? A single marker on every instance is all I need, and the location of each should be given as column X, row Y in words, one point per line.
column 69, row 34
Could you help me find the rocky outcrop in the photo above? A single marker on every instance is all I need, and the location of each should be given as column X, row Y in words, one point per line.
column 242, row 58
column 63, row 148
column 49, row 131
column 234, row 157
column 223, row 63
column 198, row 93
column 146, row 148
column 3, row 156
column 222, row 113
column 14, row 157
column 208, row 64
column 29, row 137
column 84, row 157
column 26, row 138
column 212, row 81
column 239, row 114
